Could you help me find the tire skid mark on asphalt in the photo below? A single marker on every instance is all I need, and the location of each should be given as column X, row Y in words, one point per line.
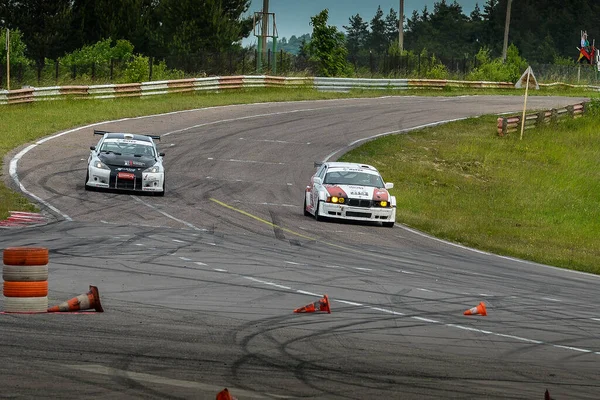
column 245, row 161
column 156, row 379
column 254, row 116
column 213, row 178
column 194, row 227
column 275, row 141
column 269, row 283
column 430, row 321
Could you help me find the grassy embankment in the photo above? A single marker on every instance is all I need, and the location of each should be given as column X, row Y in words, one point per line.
column 535, row 199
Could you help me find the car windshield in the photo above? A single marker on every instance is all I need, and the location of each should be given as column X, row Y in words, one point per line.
column 353, row 178
column 136, row 149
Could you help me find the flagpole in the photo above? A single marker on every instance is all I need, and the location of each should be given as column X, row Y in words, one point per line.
column 525, row 105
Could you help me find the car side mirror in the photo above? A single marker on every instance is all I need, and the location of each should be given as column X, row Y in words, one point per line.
column 389, row 185
column 161, row 154
column 317, row 180
column 92, row 147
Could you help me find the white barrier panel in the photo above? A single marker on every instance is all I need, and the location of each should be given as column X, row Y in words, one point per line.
column 4, row 96
column 347, row 84
column 102, row 91
column 211, row 83
column 254, row 81
column 46, row 92
column 155, row 87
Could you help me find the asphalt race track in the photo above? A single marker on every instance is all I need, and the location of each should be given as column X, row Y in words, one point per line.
column 199, row 286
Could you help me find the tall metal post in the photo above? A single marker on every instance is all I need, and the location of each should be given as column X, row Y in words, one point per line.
column 506, row 27
column 401, row 28
column 265, row 25
column 8, row 58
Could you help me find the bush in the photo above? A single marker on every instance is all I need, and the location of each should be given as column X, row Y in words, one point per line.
column 495, row 69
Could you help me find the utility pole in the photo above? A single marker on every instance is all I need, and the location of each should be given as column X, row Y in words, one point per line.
column 506, row 26
column 401, row 27
column 265, row 25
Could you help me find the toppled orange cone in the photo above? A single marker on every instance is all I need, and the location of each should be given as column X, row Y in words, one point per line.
column 479, row 310
column 86, row 301
column 224, row 395
column 320, row 305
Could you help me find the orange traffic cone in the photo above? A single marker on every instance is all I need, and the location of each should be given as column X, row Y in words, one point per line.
column 82, row 302
column 479, row 310
column 320, row 305
column 224, row 395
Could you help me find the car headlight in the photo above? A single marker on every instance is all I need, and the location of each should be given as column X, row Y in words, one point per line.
column 100, row 165
column 383, row 203
column 153, row 170
column 335, row 199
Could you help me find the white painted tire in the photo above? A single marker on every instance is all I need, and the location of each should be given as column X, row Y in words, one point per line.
column 25, row 273
column 26, row 304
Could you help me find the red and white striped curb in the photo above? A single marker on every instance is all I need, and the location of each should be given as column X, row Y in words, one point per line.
column 20, row 218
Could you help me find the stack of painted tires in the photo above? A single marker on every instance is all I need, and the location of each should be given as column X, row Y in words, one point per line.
column 25, row 275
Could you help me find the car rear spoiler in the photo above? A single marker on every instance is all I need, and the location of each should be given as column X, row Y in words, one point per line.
column 155, row 137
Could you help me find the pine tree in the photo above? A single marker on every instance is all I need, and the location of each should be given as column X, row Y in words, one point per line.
column 378, row 41
column 357, row 34
column 391, row 26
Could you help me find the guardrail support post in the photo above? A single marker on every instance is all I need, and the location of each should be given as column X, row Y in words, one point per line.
column 541, row 118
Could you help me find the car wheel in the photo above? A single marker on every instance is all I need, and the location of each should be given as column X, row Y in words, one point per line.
column 87, row 178
column 306, row 213
column 161, row 194
column 317, row 216
column 388, row 224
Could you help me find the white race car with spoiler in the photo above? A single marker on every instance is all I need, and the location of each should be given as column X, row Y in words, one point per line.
column 126, row 162
column 350, row 191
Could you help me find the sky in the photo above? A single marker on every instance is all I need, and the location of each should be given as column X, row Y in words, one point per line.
column 292, row 17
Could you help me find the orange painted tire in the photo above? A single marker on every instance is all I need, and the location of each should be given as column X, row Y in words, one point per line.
column 26, row 289
column 25, row 273
column 25, row 256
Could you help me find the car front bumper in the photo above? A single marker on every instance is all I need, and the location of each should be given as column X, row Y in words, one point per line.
column 377, row 214
column 137, row 181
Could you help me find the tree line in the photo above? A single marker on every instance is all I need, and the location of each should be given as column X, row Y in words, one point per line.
column 156, row 28
column 543, row 31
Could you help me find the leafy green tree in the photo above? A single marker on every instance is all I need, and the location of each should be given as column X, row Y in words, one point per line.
column 44, row 26
column 357, row 35
column 327, row 47
column 449, row 30
column 18, row 49
column 192, row 26
column 132, row 20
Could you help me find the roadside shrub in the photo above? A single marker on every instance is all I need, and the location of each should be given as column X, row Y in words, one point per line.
column 495, row 69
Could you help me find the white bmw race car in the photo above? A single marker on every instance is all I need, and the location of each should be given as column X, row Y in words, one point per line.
column 127, row 162
column 350, row 191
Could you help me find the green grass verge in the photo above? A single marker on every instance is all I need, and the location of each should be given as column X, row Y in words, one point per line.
column 535, row 199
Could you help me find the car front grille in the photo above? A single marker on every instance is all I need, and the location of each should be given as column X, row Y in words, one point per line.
column 125, row 184
column 359, row 203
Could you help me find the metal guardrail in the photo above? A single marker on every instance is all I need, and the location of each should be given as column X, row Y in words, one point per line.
column 220, row 83
column 511, row 124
